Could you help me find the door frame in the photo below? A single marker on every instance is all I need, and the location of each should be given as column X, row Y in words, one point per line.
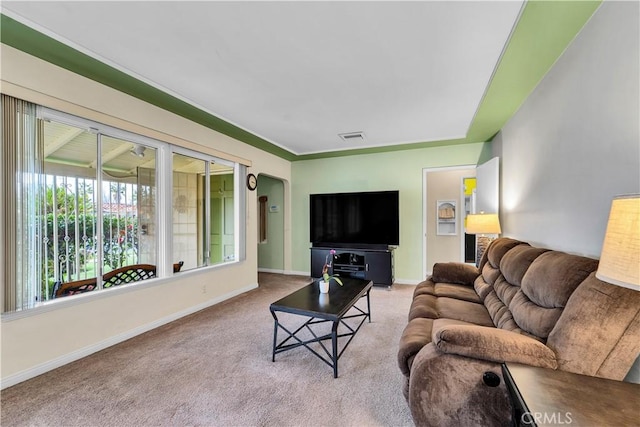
column 425, row 172
column 285, row 209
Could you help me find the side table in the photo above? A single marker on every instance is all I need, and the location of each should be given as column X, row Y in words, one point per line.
column 548, row 397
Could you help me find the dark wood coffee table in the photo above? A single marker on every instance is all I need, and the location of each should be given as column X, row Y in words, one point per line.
column 321, row 308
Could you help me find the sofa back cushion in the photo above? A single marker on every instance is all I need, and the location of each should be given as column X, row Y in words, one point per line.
column 490, row 264
column 492, row 287
column 513, row 266
column 525, row 289
column 546, row 287
column 598, row 333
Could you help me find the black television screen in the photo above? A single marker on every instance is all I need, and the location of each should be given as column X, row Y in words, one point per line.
column 355, row 219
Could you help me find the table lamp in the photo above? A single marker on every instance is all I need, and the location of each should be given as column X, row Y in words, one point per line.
column 620, row 257
column 481, row 224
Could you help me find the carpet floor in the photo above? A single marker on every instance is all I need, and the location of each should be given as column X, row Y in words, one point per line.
column 214, row 368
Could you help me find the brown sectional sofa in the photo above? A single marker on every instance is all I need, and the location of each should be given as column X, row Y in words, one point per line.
column 522, row 304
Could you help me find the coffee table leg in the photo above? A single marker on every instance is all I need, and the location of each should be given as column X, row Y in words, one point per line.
column 334, row 344
column 368, row 306
column 275, row 336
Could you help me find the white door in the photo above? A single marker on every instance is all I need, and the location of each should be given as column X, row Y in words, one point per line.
column 488, row 186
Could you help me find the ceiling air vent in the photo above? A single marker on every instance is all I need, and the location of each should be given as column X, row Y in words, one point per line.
column 352, row 136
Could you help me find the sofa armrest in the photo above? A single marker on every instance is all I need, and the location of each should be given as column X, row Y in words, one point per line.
column 493, row 344
column 447, row 390
column 454, row 272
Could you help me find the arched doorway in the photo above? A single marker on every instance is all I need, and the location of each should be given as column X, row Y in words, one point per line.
column 271, row 214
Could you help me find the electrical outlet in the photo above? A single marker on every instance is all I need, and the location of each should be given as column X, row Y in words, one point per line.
column 204, row 289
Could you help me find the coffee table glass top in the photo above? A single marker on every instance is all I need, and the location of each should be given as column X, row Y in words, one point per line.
column 333, row 305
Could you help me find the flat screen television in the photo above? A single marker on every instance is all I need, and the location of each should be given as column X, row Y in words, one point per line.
column 358, row 220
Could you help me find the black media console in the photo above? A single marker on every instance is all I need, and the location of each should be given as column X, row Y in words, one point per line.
column 369, row 264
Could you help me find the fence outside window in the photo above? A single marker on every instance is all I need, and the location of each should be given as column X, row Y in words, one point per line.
column 70, row 229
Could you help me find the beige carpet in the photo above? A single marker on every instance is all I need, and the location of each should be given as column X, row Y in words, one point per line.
column 214, row 368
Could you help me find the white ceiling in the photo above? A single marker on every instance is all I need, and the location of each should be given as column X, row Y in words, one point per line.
column 299, row 73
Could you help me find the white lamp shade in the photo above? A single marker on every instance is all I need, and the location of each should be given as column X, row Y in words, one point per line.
column 483, row 224
column 620, row 258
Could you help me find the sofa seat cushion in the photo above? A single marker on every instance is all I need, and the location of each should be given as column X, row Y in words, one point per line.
column 425, row 300
column 427, row 287
column 466, row 311
column 444, row 289
column 423, row 306
column 435, row 307
column 492, row 344
column 461, row 292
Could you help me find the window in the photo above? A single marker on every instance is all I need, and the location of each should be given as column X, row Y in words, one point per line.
column 91, row 225
column 203, row 210
column 87, row 207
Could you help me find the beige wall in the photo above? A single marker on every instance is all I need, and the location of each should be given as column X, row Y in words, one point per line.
column 44, row 338
column 444, row 185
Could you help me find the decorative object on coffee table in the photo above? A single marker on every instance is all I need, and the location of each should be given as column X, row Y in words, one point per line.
column 326, row 277
column 324, row 286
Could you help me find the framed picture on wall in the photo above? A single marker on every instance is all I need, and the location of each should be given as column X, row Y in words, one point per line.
column 446, row 218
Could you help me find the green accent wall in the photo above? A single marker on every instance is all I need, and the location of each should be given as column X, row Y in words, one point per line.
column 397, row 170
column 542, row 33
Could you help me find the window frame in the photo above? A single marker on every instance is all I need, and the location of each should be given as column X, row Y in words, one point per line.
column 100, row 130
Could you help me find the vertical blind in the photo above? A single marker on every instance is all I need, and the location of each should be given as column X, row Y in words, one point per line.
column 22, row 164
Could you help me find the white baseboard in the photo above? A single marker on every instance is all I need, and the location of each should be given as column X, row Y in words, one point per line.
column 298, row 273
column 270, row 270
column 287, row 272
column 406, row 281
column 306, row 273
column 86, row 351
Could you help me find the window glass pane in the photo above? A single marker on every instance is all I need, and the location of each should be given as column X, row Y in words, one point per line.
column 70, row 238
column 128, row 211
column 222, row 214
column 188, row 210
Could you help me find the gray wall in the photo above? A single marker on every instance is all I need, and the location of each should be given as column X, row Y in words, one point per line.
column 574, row 144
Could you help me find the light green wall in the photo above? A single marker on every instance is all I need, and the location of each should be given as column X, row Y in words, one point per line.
column 271, row 253
column 400, row 170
